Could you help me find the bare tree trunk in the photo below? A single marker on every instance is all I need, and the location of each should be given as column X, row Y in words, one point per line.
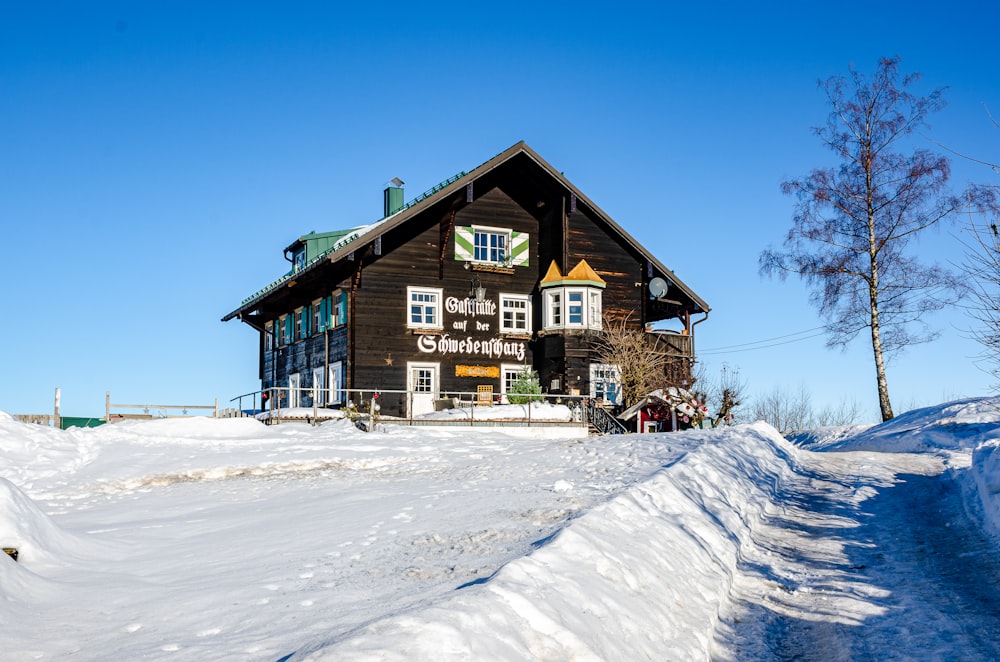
column 883, row 384
column 873, row 283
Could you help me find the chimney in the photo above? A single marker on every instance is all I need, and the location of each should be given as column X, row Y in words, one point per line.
column 393, row 197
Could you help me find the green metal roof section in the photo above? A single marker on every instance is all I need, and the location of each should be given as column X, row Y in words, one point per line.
column 346, row 237
column 320, row 245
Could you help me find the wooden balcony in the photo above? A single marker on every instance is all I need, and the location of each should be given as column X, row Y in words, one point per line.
column 676, row 344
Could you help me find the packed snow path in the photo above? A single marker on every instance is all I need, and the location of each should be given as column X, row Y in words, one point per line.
column 925, row 576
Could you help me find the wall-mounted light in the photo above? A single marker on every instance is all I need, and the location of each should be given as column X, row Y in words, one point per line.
column 476, row 290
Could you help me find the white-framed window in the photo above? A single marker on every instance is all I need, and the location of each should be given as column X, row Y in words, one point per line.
column 336, row 383
column 605, row 382
column 553, row 309
column 595, row 312
column 285, row 323
column 299, row 260
column 319, row 387
column 572, row 308
column 339, row 303
column 302, row 319
column 491, row 245
column 575, row 315
column 294, row 383
column 318, row 315
column 487, row 245
column 509, row 373
column 268, row 336
column 424, row 308
column 515, row 313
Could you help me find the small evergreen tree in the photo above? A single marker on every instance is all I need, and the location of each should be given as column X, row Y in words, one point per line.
column 526, row 388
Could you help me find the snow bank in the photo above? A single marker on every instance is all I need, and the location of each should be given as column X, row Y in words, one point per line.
column 984, row 478
column 826, row 437
column 959, row 425
column 644, row 576
column 536, row 411
column 39, row 541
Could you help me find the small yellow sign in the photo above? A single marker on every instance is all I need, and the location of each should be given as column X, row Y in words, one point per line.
column 491, row 371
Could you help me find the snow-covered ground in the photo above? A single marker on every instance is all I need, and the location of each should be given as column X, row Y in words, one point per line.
column 232, row 540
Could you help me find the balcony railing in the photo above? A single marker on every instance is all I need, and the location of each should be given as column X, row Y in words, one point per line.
column 675, row 344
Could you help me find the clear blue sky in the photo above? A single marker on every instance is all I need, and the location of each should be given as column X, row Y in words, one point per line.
column 155, row 159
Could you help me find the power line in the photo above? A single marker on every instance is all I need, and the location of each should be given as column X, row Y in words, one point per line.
column 770, row 342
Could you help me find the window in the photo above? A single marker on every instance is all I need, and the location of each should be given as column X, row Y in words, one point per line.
column 285, row 330
column 553, row 300
column 319, row 387
column 491, row 245
column 424, row 308
column 319, row 316
column 574, row 305
column 605, row 382
column 572, row 308
column 268, row 336
column 294, row 382
column 515, row 313
column 510, row 374
column 594, row 313
column 339, row 312
column 302, row 322
column 486, row 245
column 337, row 383
column 299, row 260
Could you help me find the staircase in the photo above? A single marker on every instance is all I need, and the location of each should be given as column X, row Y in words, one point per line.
column 602, row 421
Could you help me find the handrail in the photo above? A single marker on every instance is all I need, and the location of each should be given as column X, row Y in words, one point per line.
column 602, row 419
column 365, row 402
column 108, row 406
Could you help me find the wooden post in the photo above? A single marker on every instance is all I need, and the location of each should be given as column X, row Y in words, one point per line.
column 55, row 417
column 107, row 406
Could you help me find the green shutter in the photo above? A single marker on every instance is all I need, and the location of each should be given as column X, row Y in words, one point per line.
column 519, row 249
column 342, row 306
column 465, row 241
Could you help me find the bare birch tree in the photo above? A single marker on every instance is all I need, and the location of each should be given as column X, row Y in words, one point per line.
column 853, row 223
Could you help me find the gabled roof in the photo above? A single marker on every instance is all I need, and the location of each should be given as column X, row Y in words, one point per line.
column 352, row 242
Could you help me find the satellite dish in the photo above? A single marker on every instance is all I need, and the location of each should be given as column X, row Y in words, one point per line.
column 657, row 288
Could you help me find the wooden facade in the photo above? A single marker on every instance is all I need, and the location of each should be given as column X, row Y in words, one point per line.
column 393, row 305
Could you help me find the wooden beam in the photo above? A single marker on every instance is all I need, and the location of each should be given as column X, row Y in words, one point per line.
column 447, row 227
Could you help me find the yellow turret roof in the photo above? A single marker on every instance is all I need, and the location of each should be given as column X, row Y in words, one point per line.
column 581, row 274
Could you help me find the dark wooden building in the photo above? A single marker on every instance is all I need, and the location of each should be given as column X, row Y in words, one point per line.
column 501, row 268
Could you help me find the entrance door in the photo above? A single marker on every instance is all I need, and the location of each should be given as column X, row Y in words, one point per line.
column 423, row 382
column 293, row 390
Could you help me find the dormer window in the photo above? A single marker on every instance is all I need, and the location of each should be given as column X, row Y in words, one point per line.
column 572, row 301
column 299, row 260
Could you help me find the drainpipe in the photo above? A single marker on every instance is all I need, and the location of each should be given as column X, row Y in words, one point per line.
column 692, row 331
